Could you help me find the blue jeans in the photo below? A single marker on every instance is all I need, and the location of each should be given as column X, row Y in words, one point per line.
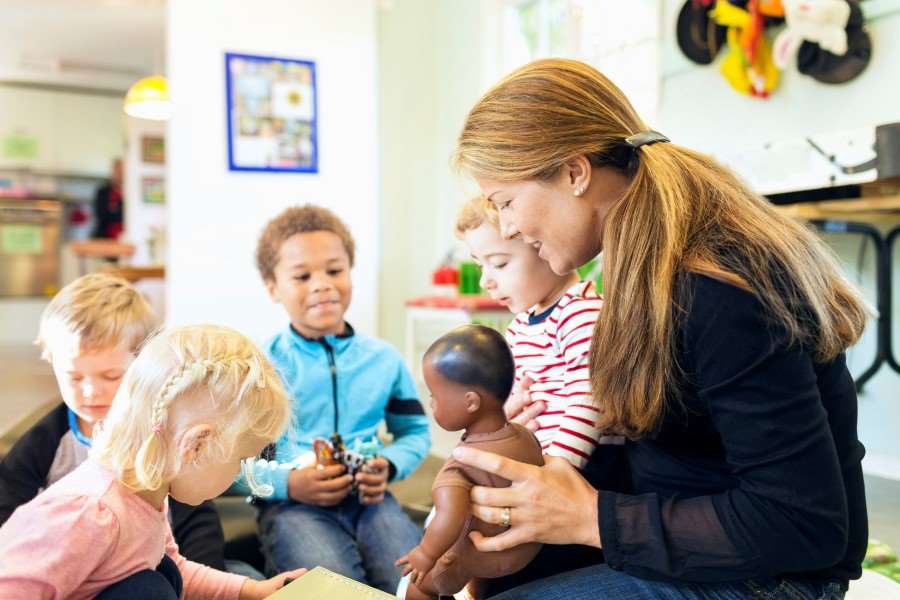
column 162, row 584
column 599, row 582
column 360, row 542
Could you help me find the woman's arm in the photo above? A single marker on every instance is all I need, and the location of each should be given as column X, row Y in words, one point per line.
column 786, row 510
column 552, row 504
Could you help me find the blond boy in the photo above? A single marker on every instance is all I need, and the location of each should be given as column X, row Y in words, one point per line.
column 90, row 333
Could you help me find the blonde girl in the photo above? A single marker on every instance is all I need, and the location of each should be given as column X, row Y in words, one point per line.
column 195, row 402
column 719, row 354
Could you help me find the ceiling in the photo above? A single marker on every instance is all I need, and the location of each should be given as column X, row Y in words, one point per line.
column 104, row 44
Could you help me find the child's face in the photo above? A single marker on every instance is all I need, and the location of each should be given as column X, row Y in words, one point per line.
column 312, row 282
column 199, row 482
column 89, row 379
column 511, row 270
column 447, row 399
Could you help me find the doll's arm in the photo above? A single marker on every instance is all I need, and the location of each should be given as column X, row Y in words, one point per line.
column 451, row 509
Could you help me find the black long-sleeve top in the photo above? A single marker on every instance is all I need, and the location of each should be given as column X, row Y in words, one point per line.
column 759, row 476
column 23, row 474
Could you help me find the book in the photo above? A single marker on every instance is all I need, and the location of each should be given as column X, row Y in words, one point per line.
column 322, row 584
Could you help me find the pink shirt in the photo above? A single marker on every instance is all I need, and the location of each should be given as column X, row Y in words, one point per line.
column 88, row 531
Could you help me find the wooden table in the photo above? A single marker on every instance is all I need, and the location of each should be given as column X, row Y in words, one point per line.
column 100, row 248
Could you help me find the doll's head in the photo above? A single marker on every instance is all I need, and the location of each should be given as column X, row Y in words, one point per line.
column 195, row 402
column 469, row 372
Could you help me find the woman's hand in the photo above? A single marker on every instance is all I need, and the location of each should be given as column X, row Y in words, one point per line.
column 520, row 408
column 257, row 590
column 552, row 504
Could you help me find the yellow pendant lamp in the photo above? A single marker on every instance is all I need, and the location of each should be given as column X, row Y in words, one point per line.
column 149, row 99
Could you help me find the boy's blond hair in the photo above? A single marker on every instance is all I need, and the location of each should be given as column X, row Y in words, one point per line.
column 308, row 218
column 476, row 212
column 210, row 371
column 95, row 311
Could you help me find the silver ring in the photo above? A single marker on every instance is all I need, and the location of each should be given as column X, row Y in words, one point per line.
column 504, row 516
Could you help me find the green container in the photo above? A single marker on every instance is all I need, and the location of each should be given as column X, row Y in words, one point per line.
column 469, row 277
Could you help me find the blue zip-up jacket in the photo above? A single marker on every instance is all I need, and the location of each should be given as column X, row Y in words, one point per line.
column 347, row 384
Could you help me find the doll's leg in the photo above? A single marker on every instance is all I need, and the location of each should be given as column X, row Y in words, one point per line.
column 426, row 592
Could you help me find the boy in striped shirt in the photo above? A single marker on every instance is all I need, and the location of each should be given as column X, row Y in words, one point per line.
column 550, row 336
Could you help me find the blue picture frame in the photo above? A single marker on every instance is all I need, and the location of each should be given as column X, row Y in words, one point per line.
column 271, row 114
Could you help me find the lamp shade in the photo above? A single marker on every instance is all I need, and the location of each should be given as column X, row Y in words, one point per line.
column 148, row 98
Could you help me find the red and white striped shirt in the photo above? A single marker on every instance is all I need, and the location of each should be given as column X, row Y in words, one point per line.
column 552, row 350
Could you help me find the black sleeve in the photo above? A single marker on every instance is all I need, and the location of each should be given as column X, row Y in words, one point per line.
column 198, row 533
column 787, row 511
column 23, row 472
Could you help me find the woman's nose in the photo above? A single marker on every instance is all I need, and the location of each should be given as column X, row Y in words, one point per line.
column 485, row 282
column 507, row 229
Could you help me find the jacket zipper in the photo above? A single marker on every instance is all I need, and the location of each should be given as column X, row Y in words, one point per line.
column 329, row 351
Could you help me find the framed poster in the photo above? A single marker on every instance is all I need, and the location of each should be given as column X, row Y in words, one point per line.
column 153, row 190
column 153, row 149
column 271, row 113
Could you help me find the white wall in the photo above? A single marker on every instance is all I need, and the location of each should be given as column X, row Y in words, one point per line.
column 76, row 133
column 435, row 59
column 215, row 216
column 699, row 109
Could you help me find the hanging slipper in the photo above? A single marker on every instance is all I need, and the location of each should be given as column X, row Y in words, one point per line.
column 698, row 36
column 822, row 22
column 830, row 67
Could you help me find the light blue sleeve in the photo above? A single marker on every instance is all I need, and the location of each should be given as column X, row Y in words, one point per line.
column 407, row 421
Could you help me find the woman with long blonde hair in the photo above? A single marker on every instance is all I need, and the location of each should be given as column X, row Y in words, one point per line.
column 719, row 354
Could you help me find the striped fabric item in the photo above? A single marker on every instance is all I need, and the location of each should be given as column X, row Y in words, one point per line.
column 552, row 350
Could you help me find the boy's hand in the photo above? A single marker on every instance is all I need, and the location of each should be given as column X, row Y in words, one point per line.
column 253, row 590
column 416, row 562
column 520, row 408
column 372, row 481
column 319, row 485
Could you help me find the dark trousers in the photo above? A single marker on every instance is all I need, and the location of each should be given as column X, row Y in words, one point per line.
column 162, row 584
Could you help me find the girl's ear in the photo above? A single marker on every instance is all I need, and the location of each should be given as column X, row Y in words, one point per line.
column 473, row 402
column 194, row 441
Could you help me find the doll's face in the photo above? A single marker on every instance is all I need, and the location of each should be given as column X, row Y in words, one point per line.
column 449, row 403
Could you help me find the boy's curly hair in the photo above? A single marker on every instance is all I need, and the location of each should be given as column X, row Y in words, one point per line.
column 297, row 219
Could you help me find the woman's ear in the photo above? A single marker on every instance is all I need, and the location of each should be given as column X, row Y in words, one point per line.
column 576, row 174
column 194, row 441
column 473, row 402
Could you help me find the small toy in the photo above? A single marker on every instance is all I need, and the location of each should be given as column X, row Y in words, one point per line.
column 257, row 472
column 469, row 372
column 355, row 458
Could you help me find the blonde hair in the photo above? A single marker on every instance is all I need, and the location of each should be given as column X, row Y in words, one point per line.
column 476, row 212
column 95, row 311
column 188, row 370
column 682, row 212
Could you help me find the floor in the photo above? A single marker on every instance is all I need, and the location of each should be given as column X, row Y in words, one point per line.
column 28, row 383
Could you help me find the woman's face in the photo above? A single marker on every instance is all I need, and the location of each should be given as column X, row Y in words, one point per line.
column 566, row 229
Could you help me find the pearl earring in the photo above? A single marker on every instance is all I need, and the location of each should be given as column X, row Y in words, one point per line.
column 579, row 191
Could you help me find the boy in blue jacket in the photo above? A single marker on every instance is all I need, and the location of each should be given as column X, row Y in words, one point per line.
column 340, row 381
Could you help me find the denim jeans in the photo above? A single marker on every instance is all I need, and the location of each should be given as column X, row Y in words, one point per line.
column 599, row 582
column 360, row 542
column 162, row 584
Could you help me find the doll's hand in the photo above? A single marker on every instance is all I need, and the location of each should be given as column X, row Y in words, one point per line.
column 520, row 408
column 416, row 562
column 318, row 485
column 372, row 481
column 253, row 590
